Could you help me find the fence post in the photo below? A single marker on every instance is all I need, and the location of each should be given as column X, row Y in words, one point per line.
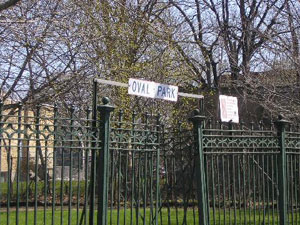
column 281, row 165
column 105, row 110
column 203, row 209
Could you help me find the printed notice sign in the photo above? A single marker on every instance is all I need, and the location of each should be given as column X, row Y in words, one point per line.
column 151, row 89
column 229, row 108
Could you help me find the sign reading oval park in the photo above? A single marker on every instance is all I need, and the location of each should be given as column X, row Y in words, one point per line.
column 151, row 89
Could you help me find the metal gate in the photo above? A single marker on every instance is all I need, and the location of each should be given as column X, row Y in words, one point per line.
column 133, row 171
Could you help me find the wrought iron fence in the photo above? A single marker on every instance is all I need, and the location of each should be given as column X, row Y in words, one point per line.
column 252, row 174
column 45, row 165
column 241, row 171
column 111, row 168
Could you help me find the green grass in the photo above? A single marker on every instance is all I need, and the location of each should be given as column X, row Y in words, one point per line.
column 41, row 188
column 191, row 217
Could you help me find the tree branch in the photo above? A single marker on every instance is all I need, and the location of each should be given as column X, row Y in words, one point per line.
column 8, row 4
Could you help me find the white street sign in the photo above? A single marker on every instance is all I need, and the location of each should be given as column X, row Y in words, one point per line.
column 229, row 108
column 125, row 85
column 151, row 89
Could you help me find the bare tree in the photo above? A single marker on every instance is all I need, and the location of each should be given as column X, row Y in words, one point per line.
column 203, row 42
column 276, row 88
column 38, row 55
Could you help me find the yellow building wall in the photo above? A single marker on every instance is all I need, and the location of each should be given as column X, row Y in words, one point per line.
column 20, row 134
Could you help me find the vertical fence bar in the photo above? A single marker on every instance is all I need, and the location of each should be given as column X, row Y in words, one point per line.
column 37, row 146
column 8, row 182
column 62, row 182
column 105, row 111
column 282, row 180
column 219, row 187
column 145, row 180
column 138, row 191
column 93, row 156
column 46, row 180
column 71, row 165
column 119, row 152
column 79, row 168
column 26, row 138
column 18, row 163
column 198, row 120
column 167, row 182
column 126, row 190
column 86, row 162
column 133, row 140
column 55, row 114
column 157, row 170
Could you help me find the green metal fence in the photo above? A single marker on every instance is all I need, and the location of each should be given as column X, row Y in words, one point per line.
column 251, row 173
column 45, row 159
column 115, row 168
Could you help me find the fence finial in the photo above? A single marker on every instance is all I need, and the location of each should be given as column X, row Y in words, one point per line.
column 196, row 112
column 197, row 117
column 105, row 100
column 281, row 122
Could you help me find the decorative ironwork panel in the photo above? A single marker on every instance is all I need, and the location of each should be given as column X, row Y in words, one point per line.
column 239, row 140
column 292, row 141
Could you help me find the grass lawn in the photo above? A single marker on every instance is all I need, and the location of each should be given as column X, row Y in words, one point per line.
column 167, row 217
column 59, row 186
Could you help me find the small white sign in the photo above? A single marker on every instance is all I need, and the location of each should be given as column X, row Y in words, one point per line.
column 151, row 89
column 229, row 108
